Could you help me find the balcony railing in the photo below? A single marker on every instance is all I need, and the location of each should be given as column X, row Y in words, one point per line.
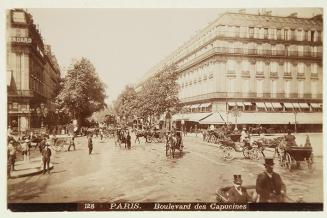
column 259, row 74
column 250, row 95
column 287, row 75
column 314, row 76
column 21, row 93
column 231, row 73
column 255, row 35
column 245, row 73
column 300, row 75
column 273, row 75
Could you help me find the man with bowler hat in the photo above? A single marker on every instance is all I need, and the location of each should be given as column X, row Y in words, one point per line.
column 269, row 185
column 237, row 193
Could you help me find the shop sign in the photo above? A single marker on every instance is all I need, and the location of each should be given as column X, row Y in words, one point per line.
column 26, row 40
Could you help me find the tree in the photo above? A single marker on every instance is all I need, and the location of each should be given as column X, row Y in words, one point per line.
column 82, row 92
column 125, row 104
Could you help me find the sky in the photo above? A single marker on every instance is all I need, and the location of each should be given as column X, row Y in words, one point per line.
column 123, row 44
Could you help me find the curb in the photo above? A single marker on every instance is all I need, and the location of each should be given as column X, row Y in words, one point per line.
column 29, row 174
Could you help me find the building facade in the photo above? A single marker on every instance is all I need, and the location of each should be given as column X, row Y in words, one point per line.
column 252, row 63
column 33, row 73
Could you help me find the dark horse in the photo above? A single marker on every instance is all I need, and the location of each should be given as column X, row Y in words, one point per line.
column 122, row 137
column 141, row 133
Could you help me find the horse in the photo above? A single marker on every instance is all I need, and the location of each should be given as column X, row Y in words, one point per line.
column 121, row 137
column 139, row 134
column 173, row 142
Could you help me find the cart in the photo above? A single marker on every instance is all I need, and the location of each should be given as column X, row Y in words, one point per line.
column 293, row 156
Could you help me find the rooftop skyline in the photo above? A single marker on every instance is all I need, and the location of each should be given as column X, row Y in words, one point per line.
column 124, row 44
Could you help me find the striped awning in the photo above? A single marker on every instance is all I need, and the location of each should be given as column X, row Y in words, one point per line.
column 304, row 105
column 239, row 104
column 195, row 106
column 296, row 105
column 276, row 105
column 206, row 105
column 231, row 104
column 260, row 105
column 288, row 105
column 215, row 118
column 247, row 103
column 268, row 105
column 315, row 105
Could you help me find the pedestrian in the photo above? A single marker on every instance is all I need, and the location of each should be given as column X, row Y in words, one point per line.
column 307, row 142
column 237, row 193
column 128, row 138
column 72, row 143
column 243, row 135
column 101, row 134
column 90, row 143
column 11, row 157
column 269, row 185
column 42, row 144
column 25, row 149
column 290, row 139
column 46, row 155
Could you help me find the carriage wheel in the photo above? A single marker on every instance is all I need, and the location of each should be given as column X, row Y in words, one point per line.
column 289, row 162
column 246, row 152
column 254, row 154
column 228, row 155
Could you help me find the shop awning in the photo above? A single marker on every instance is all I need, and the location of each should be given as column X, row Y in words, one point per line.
column 195, row 106
column 315, row 105
column 288, row 105
column 309, row 118
column 239, row 104
column 214, row 118
column 206, row 105
column 247, row 103
column 195, row 117
column 265, row 118
column 296, row 105
column 231, row 104
column 276, row 105
column 304, row 105
column 268, row 105
column 260, row 105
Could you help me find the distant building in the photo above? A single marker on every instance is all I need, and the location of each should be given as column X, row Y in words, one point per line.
column 33, row 73
column 258, row 64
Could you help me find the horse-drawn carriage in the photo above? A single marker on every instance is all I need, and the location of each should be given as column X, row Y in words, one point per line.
column 156, row 136
column 292, row 156
column 174, row 142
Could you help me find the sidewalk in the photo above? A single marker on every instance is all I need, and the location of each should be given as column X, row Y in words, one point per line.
column 33, row 167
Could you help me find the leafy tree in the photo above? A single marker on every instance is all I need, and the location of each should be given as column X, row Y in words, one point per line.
column 82, row 92
column 125, row 105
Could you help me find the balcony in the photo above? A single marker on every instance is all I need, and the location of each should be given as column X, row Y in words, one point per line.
column 246, row 74
column 249, row 96
column 273, row 75
column 231, row 73
column 300, row 76
column 250, row 52
column 287, row 75
column 259, row 74
column 314, row 76
column 21, row 93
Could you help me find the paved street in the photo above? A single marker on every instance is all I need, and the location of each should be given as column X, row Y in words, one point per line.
column 145, row 174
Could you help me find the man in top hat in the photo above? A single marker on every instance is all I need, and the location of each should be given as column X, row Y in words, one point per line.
column 237, row 193
column 269, row 185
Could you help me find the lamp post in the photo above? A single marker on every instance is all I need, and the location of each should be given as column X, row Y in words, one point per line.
column 295, row 127
column 236, row 113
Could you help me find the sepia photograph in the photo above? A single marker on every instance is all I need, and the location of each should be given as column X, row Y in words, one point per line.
column 164, row 109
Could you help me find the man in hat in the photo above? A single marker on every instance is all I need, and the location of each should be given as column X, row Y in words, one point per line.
column 90, row 143
column 25, row 149
column 237, row 193
column 46, row 154
column 11, row 157
column 290, row 139
column 269, row 185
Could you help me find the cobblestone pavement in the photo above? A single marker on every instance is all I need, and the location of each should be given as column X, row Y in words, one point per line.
column 146, row 174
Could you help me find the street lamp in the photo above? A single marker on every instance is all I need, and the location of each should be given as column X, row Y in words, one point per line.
column 236, row 113
column 295, row 127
